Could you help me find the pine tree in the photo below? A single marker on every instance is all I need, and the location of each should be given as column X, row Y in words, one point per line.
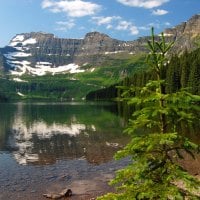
column 185, row 67
column 154, row 172
column 173, row 77
column 194, row 78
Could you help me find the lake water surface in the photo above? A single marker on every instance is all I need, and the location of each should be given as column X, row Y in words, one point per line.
column 46, row 147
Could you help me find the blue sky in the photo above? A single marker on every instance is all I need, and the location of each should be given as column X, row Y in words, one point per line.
column 120, row 19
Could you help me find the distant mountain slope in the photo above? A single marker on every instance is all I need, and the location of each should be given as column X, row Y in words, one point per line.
column 186, row 35
column 182, row 72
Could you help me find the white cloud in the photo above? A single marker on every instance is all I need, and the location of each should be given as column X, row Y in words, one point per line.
column 144, row 28
column 109, row 26
column 47, row 4
column 105, row 20
column 156, row 25
column 65, row 25
column 148, row 4
column 116, row 23
column 148, row 26
column 73, row 8
column 123, row 25
column 134, row 30
column 127, row 26
column 167, row 24
column 159, row 12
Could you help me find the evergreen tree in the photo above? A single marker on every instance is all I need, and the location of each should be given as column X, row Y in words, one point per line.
column 194, row 78
column 185, row 68
column 154, row 172
column 173, row 78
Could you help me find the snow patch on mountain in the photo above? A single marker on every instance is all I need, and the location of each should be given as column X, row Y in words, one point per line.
column 29, row 41
column 20, row 94
column 21, row 54
column 20, row 39
column 19, row 80
column 16, row 40
column 113, row 52
column 22, row 67
column 44, row 63
column 14, row 55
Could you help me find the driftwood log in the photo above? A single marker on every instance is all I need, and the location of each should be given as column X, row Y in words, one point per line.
column 64, row 193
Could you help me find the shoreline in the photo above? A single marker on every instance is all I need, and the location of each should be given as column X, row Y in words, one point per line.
column 86, row 180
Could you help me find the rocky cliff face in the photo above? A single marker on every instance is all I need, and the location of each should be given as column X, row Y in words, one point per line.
column 191, row 27
column 41, row 53
column 186, row 35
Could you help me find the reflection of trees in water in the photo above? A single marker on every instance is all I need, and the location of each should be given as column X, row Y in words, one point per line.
column 6, row 119
column 42, row 133
column 192, row 131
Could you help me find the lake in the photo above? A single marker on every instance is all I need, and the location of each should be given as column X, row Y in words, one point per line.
column 47, row 147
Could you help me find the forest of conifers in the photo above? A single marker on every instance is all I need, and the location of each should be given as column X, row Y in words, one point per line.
column 182, row 72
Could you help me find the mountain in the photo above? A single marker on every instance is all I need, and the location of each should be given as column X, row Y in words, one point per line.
column 79, row 66
column 40, row 53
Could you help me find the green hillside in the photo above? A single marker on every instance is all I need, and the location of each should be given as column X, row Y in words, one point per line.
column 70, row 86
column 182, row 72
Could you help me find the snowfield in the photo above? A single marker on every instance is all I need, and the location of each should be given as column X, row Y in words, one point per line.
column 43, row 69
column 20, row 94
column 15, row 55
column 19, row 39
column 16, row 40
column 29, row 41
column 19, row 80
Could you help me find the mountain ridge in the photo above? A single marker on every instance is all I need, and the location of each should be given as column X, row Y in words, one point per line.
column 39, row 65
column 39, row 53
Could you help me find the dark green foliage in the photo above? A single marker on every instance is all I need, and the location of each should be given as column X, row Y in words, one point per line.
column 194, row 76
column 107, row 93
column 3, row 97
column 58, row 87
column 181, row 72
column 173, row 75
column 185, row 69
column 154, row 172
column 73, row 86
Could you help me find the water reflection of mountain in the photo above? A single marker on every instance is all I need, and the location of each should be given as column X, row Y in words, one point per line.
column 44, row 133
